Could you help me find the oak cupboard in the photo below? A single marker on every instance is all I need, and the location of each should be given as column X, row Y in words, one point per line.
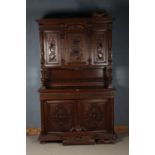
column 76, row 96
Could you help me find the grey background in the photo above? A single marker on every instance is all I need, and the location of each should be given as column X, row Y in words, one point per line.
column 119, row 10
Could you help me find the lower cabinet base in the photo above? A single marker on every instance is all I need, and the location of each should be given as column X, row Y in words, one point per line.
column 84, row 116
column 76, row 138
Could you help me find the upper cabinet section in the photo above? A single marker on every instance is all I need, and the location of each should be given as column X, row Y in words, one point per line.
column 76, row 41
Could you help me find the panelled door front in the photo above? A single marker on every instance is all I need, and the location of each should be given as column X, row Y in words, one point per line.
column 76, row 45
column 51, row 48
column 94, row 114
column 100, row 48
column 59, row 115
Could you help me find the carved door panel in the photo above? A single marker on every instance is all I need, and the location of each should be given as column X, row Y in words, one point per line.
column 94, row 114
column 59, row 115
column 51, row 48
column 100, row 48
column 76, row 45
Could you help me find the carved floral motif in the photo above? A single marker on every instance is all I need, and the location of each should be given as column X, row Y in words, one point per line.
column 61, row 117
column 94, row 116
column 52, row 49
column 100, row 54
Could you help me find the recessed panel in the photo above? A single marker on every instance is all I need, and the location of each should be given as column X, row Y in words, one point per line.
column 51, row 48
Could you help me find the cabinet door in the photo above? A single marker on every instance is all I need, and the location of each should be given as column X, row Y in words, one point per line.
column 100, row 48
column 51, row 48
column 59, row 115
column 76, row 45
column 95, row 114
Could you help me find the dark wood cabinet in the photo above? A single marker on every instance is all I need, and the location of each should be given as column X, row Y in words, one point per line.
column 76, row 96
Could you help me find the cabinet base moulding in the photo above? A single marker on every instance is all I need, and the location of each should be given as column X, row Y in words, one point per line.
column 118, row 129
column 80, row 138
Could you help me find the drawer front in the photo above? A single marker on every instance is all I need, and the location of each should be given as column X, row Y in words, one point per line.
column 59, row 115
column 76, row 94
column 96, row 114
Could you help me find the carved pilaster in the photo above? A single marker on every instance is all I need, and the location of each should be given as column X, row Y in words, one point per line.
column 42, row 49
column 89, row 33
column 110, row 47
column 45, row 75
column 109, row 77
column 105, row 77
column 42, row 61
column 42, row 117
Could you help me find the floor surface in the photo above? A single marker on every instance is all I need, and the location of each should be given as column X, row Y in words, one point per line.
column 35, row 148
